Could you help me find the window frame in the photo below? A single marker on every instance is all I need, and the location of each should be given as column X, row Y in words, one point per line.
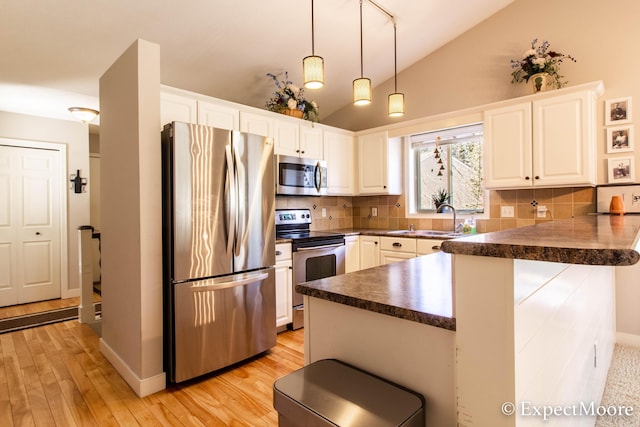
column 411, row 177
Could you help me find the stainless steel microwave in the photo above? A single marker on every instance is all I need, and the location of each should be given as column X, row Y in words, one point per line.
column 297, row 176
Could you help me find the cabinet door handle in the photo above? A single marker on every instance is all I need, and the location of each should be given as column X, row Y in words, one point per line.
column 537, row 177
column 527, row 178
column 302, row 151
column 375, row 243
column 278, row 253
column 297, row 151
column 397, row 245
column 435, row 248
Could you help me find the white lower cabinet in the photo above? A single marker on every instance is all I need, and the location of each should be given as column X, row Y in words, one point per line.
column 394, row 249
column 381, row 250
column 427, row 246
column 369, row 251
column 352, row 254
column 284, row 281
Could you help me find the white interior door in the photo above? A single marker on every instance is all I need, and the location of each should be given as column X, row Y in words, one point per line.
column 29, row 225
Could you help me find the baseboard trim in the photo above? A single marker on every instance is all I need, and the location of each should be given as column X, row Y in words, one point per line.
column 627, row 339
column 141, row 387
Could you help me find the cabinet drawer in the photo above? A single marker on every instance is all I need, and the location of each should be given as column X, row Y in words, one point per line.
column 283, row 251
column 400, row 244
column 428, row 246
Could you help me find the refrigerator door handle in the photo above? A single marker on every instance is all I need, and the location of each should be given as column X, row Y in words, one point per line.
column 248, row 279
column 232, row 199
column 241, row 178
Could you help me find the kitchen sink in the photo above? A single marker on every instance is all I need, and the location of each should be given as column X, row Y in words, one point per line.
column 427, row 233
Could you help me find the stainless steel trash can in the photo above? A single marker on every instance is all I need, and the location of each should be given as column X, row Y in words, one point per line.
column 332, row 393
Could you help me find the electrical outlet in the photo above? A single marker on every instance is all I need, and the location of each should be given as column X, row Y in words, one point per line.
column 506, row 212
column 324, row 212
column 542, row 211
column 374, row 211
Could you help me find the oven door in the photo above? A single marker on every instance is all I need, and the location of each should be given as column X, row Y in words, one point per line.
column 299, row 176
column 312, row 263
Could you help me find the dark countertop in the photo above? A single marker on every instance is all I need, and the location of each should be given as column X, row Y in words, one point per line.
column 375, row 232
column 418, row 289
column 590, row 240
column 388, row 233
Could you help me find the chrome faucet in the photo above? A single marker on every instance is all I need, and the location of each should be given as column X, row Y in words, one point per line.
column 447, row 205
column 411, row 227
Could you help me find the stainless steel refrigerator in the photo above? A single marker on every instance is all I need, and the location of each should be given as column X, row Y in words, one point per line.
column 219, row 248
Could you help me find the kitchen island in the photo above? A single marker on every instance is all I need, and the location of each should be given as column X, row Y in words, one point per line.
column 532, row 311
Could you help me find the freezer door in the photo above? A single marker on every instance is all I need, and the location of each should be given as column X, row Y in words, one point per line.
column 255, row 234
column 222, row 321
column 202, row 205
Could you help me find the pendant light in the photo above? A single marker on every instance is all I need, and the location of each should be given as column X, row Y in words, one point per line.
column 362, row 85
column 313, row 66
column 396, row 99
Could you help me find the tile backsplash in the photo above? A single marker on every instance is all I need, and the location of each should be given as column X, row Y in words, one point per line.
column 356, row 212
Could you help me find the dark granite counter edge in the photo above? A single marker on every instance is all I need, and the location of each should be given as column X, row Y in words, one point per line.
column 615, row 257
column 448, row 323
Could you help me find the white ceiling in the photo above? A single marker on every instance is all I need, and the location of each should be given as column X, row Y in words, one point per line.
column 52, row 53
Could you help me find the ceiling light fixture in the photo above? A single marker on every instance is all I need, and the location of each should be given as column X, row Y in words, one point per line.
column 84, row 114
column 313, row 66
column 396, row 99
column 362, row 85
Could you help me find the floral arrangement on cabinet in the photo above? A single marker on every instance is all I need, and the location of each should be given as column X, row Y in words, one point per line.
column 539, row 59
column 291, row 97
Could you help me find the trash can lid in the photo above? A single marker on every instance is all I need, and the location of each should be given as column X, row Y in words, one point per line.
column 345, row 395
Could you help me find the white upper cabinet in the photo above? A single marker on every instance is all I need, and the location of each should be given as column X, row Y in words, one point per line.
column 177, row 108
column 380, row 164
column 311, row 141
column 298, row 138
column 564, row 140
column 188, row 109
column 547, row 141
column 339, row 154
column 286, row 136
column 507, row 146
column 218, row 116
column 257, row 124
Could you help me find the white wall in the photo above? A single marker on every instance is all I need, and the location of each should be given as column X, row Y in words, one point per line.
column 75, row 136
column 474, row 69
column 131, row 217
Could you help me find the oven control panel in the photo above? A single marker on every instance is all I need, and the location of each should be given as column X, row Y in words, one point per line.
column 293, row 216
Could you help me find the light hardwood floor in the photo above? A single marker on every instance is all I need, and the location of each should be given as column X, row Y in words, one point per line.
column 55, row 375
column 42, row 306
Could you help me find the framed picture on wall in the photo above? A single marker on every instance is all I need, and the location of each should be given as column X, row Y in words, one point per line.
column 617, row 111
column 621, row 169
column 620, row 139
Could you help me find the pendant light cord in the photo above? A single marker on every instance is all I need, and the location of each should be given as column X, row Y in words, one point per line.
column 361, row 44
column 395, row 59
column 313, row 52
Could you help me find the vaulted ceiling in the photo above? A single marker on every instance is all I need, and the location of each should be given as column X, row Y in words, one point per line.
column 52, row 53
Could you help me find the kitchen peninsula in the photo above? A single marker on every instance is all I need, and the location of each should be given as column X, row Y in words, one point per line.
column 531, row 318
